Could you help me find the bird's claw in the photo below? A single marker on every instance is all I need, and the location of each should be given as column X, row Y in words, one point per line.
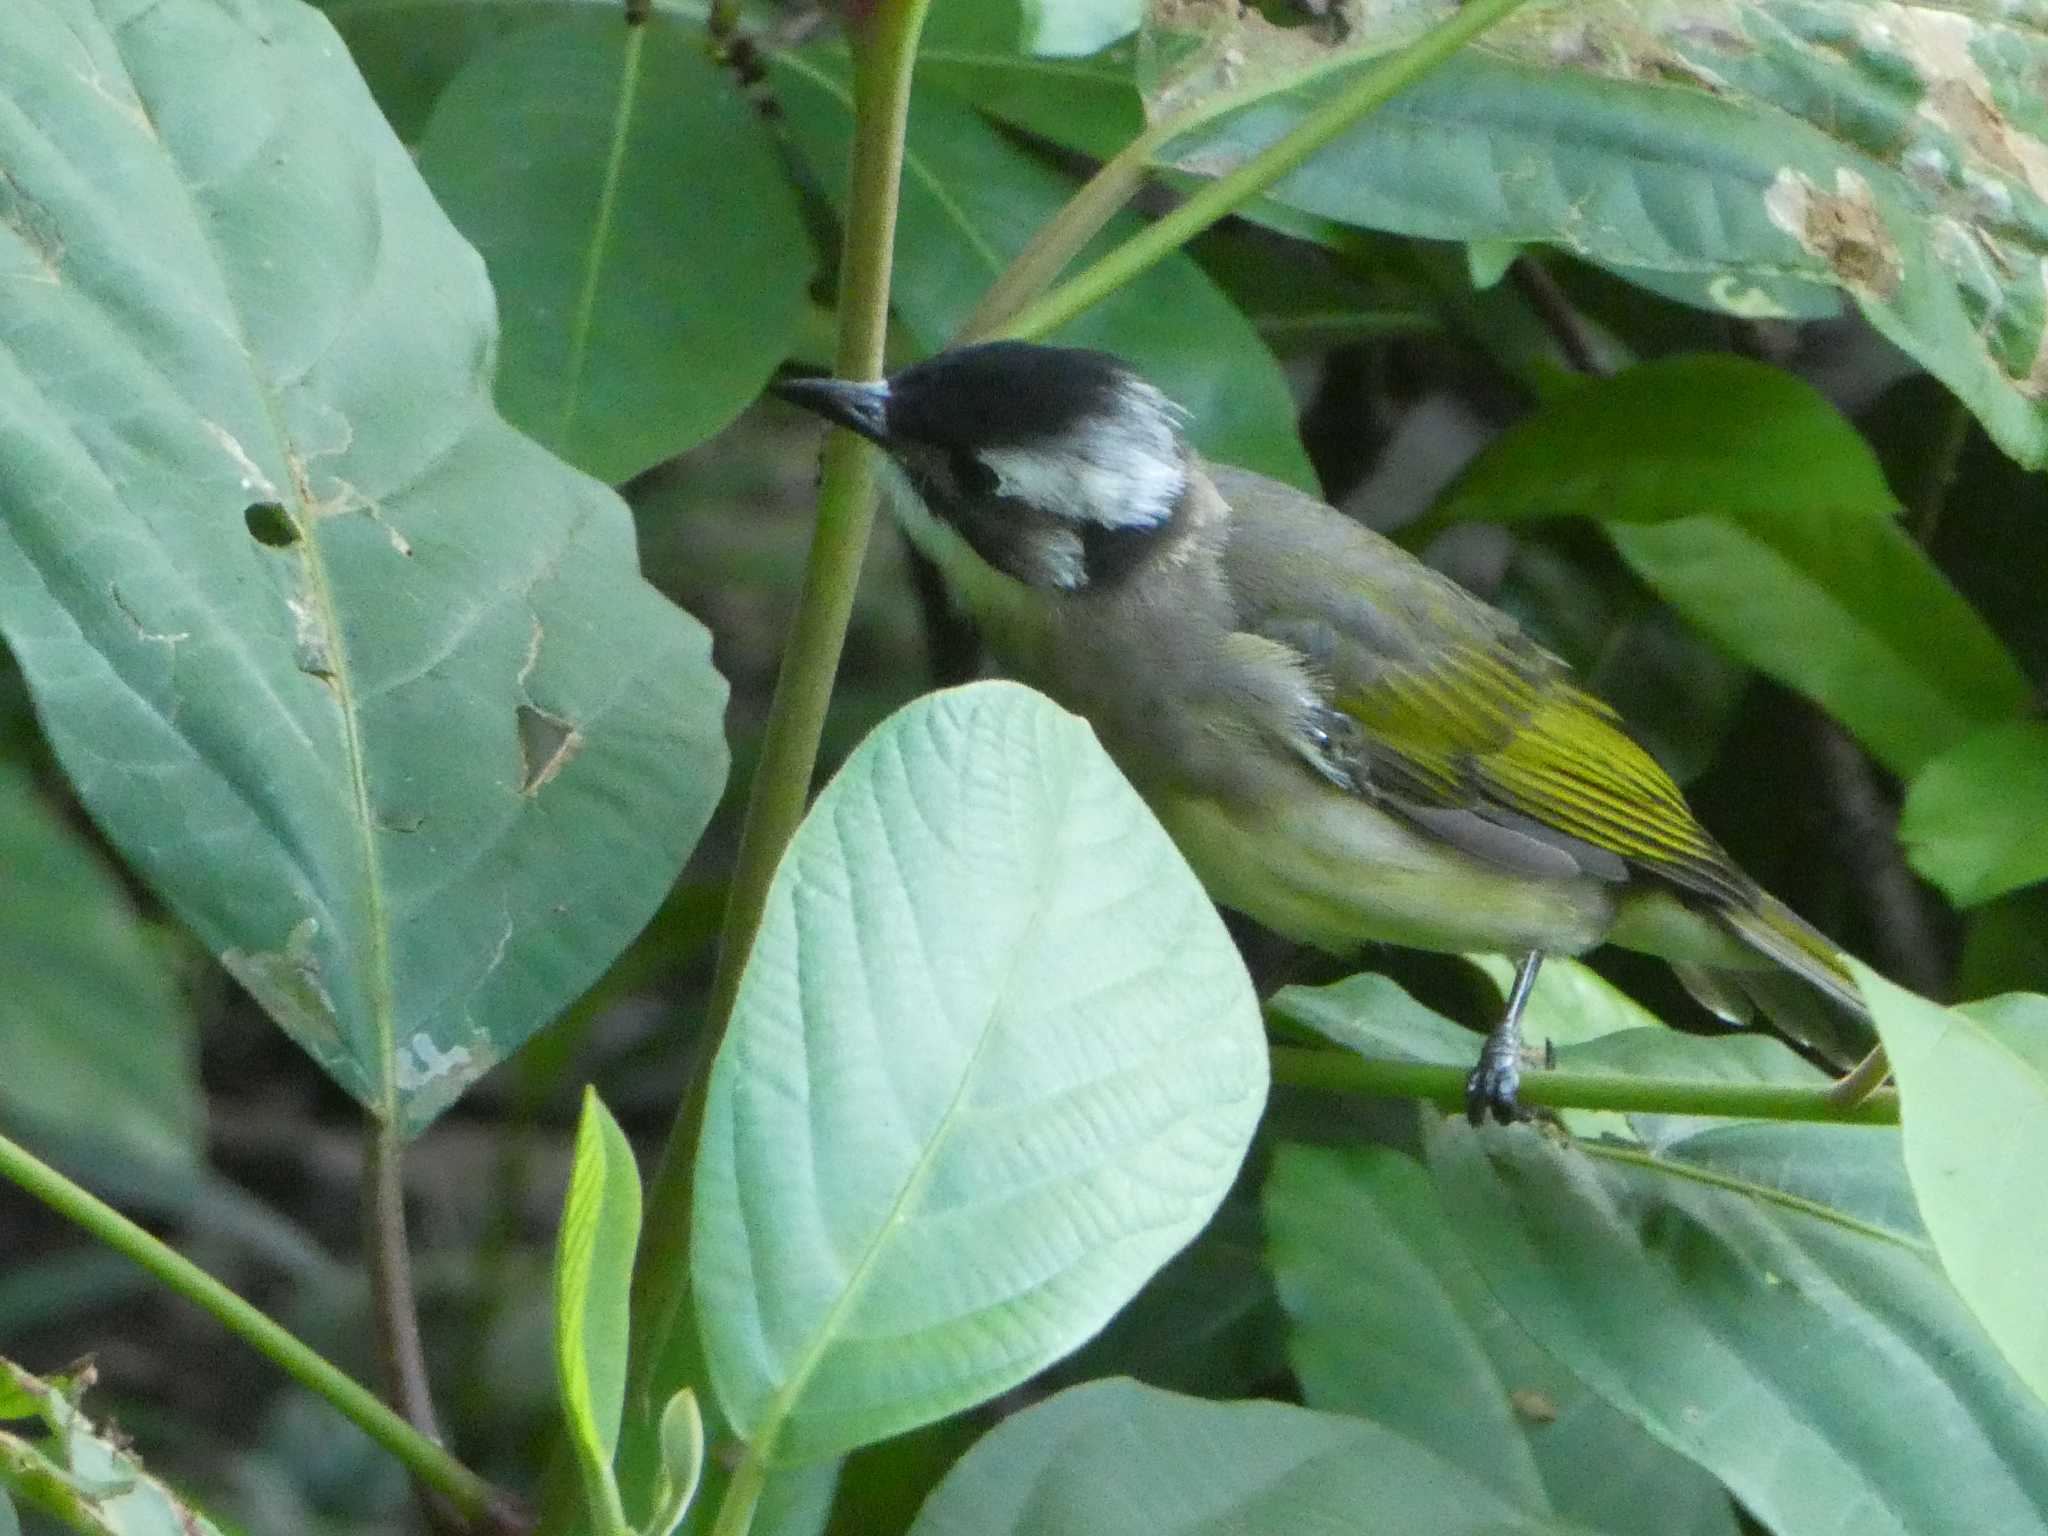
column 1493, row 1088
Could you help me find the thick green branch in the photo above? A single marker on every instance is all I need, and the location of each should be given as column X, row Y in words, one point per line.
column 1373, row 88
column 474, row 1498
column 1342, row 1072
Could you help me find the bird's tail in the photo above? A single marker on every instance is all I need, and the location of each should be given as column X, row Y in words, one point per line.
column 1842, row 1032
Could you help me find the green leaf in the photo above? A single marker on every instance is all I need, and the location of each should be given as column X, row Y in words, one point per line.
column 1066, row 28
column 1113, row 1457
column 1973, row 1103
column 1372, row 1015
column 408, row 50
column 1973, row 821
column 1898, row 152
column 593, row 1280
column 1391, row 1323
column 1766, row 1337
column 98, row 1043
column 364, row 682
column 972, row 199
column 994, row 1060
column 682, row 1460
column 85, row 1476
column 981, row 54
column 1755, row 510
column 650, row 263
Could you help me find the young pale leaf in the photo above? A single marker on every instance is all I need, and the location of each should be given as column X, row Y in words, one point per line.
column 994, row 1060
column 363, row 681
column 1115, row 1457
column 645, row 243
column 85, row 1476
column 1755, row 510
column 593, row 1279
column 98, row 1044
column 972, row 199
column 1754, row 1331
column 1392, row 1323
column 1973, row 1102
column 1896, row 152
column 682, row 1462
column 1974, row 822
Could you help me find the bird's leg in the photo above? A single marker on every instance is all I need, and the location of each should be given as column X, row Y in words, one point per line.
column 1491, row 1089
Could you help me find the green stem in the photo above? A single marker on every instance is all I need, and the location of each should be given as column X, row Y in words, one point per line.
column 395, row 1320
column 1373, row 88
column 474, row 1498
column 884, row 50
column 736, row 1514
column 1342, row 1072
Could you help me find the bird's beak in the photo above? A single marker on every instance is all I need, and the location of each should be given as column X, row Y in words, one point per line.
column 862, row 408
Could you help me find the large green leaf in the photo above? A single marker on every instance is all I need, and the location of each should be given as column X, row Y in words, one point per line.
column 994, row 1060
column 1115, row 1457
column 1756, row 511
column 1973, row 1102
column 972, row 199
column 650, row 264
column 98, row 1045
column 1898, row 152
column 366, row 683
column 983, row 53
column 1974, row 821
column 1392, row 1323
column 1774, row 1340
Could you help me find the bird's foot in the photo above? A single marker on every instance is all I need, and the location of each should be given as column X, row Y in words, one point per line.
column 1495, row 1084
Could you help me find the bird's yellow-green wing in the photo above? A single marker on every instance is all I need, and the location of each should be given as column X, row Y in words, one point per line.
column 1458, row 714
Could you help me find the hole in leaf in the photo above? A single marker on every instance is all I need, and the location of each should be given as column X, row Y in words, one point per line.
column 270, row 524
column 545, row 746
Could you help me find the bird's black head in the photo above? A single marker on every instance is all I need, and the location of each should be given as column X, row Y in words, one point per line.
column 1061, row 468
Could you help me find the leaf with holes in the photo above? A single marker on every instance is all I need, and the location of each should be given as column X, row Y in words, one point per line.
column 1897, row 152
column 994, row 1060
column 364, row 682
column 644, row 241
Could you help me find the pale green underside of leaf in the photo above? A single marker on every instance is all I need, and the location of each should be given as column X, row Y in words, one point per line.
column 640, row 229
column 364, row 682
column 1115, row 1457
column 1754, row 1330
column 1976, row 818
column 98, row 1045
column 1973, row 1101
column 1391, row 1322
column 994, row 1060
column 1898, row 152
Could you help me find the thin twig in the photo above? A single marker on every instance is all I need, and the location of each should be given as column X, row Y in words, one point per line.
column 1567, row 327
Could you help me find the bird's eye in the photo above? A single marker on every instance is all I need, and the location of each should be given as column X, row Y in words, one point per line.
column 973, row 477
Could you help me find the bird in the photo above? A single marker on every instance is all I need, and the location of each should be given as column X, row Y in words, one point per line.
column 1346, row 746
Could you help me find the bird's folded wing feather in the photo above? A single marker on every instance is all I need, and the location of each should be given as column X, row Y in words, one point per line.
column 1463, row 723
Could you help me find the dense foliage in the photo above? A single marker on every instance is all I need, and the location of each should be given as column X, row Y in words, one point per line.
column 395, row 568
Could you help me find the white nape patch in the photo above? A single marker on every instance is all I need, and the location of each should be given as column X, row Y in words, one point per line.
column 1122, row 468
